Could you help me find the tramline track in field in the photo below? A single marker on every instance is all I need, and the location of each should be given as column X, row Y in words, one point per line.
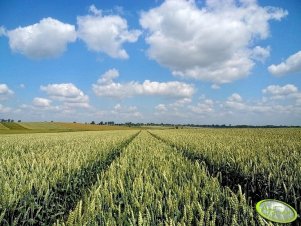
column 150, row 184
column 256, row 187
column 45, row 209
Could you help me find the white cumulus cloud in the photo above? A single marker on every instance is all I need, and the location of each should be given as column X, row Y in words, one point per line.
column 67, row 93
column 106, row 86
column 277, row 92
column 204, row 107
column 291, row 65
column 235, row 97
column 161, row 108
column 4, row 109
column 215, row 86
column 173, row 107
column 235, row 110
column 280, row 90
column 41, row 102
column 5, row 92
column 127, row 112
column 212, row 43
column 260, row 53
column 106, row 33
column 46, row 39
column 94, row 10
column 235, row 103
column 181, row 102
column 2, row 31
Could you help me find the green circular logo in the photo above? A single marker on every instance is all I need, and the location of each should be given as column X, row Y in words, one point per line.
column 276, row 211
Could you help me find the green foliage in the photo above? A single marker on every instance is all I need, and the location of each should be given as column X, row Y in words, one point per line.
column 151, row 184
column 166, row 177
column 265, row 162
column 42, row 177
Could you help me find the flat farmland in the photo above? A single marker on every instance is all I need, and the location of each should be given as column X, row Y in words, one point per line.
column 53, row 127
column 147, row 177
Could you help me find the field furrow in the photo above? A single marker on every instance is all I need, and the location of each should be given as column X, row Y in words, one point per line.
column 3, row 127
column 52, row 197
column 155, row 177
column 150, row 184
column 13, row 126
column 249, row 172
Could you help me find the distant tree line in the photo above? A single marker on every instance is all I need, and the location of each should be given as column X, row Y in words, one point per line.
column 176, row 126
column 103, row 123
column 139, row 124
column 8, row 120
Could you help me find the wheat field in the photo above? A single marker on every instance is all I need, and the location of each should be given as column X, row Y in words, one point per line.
column 154, row 177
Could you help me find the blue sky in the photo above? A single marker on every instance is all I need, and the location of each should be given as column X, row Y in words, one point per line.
column 204, row 62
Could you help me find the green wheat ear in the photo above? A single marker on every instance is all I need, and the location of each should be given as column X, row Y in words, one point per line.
column 172, row 178
column 71, row 218
column 140, row 219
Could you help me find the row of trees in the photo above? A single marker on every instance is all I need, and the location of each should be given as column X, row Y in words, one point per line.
column 103, row 123
column 191, row 125
column 130, row 124
column 8, row 120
